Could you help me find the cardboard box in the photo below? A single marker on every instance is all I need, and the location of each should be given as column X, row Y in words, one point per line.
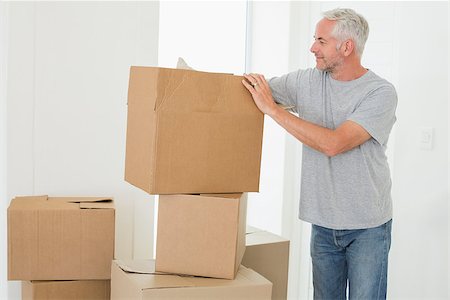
column 73, row 290
column 268, row 254
column 202, row 235
column 60, row 238
column 191, row 132
column 138, row 280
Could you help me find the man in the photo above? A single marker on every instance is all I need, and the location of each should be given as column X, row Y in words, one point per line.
column 345, row 115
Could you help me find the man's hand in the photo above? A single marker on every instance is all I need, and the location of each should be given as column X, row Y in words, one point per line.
column 257, row 85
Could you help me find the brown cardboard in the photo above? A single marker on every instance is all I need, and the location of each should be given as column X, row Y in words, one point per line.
column 202, row 235
column 191, row 132
column 268, row 254
column 68, row 290
column 138, row 280
column 60, row 238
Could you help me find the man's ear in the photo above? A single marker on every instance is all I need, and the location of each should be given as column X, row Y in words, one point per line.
column 348, row 46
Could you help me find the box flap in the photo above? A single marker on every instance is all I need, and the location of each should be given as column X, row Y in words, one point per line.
column 39, row 203
column 225, row 195
column 82, row 199
column 255, row 236
column 102, row 205
column 87, row 202
column 244, row 276
column 190, row 90
column 28, row 202
column 251, row 229
column 45, row 202
column 154, row 280
column 169, row 81
column 144, row 266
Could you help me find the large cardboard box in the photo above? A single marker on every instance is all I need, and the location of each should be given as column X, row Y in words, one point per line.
column 202, row 235
column 191, row 132
column 268, row 254
column 138, row 280
column 60, row 238
column 67, row 290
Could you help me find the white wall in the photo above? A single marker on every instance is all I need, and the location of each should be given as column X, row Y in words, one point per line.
column 419, row 256
column 210, row 36
column 269, row 39
column 4, row 7
column 68, row 71
column 19, row 135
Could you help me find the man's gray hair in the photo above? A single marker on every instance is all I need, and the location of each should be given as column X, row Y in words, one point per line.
column 349, row 25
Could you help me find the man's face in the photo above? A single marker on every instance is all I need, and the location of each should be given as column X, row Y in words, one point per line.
column 328, row 57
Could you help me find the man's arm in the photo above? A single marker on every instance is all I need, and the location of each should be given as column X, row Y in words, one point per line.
column 330, row 142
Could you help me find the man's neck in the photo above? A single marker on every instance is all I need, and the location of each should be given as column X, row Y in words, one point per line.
column 348, row 72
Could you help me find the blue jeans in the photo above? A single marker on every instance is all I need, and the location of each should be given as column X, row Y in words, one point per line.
column 359, row 256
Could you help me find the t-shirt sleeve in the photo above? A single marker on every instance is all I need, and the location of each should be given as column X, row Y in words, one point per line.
column 284, row 89
column 376, row 113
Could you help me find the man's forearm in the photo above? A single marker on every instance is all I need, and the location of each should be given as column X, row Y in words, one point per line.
column 330, row 142
column 319, row 138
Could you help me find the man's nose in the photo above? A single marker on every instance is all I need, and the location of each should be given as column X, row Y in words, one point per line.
column 313, row 48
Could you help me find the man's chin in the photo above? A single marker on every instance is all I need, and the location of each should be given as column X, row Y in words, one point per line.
column 320, row 67
column 323, row 67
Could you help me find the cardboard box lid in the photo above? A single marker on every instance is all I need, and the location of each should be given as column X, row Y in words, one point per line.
column 157, row 280
column 44, row 202
column 250, row 229
column 255, row 236
column 175, row 84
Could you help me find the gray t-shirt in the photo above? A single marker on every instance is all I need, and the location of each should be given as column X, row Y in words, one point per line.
column 351, row 190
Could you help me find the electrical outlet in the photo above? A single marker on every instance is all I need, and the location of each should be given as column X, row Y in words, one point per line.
column 426, row 136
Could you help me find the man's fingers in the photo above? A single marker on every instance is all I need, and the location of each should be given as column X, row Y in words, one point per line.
column 264, row 81
column 251, row 78
column 249, row 87
column 261, row 81
column 255, row 79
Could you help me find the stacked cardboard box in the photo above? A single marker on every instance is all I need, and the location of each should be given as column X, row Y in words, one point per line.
column 66, row 289
column 191, row 132
column 268, row 254
column 201, row 235
column 195, row 139
column 61, row 245
column 139, row 280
